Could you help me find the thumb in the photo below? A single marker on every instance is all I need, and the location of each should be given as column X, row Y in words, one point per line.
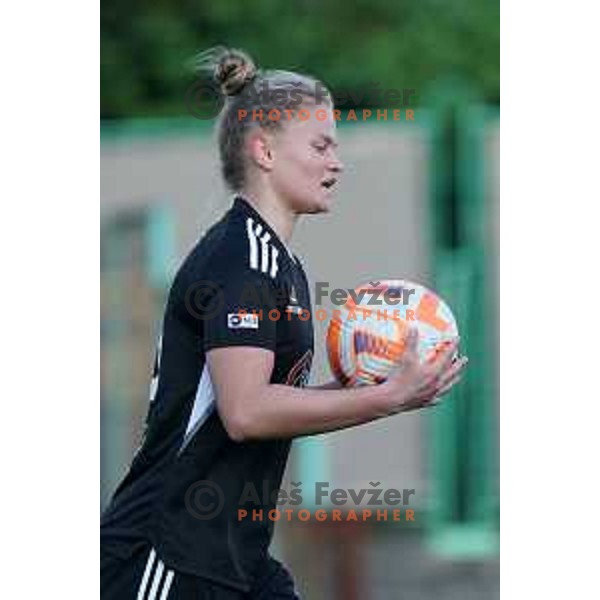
column 412, row 344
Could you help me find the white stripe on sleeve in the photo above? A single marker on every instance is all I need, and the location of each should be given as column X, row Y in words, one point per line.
column 253, row 243
column 168, row 582
column 274, row 266
column 156, row 582
column 146, row 576
column 264, row 246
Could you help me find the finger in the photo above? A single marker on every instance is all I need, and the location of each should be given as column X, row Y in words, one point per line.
column 448, row 386
column 411, row 352
column 454, row 375
column 435, row 401
column 455, row 370
column 445, row 358
column 435, row 398
column 437, row 382
column 434, row 353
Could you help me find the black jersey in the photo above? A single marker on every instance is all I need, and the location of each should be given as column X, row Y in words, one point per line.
column 239, row 286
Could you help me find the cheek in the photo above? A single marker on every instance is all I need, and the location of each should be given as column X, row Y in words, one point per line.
column 299, row 168
column 299, row 182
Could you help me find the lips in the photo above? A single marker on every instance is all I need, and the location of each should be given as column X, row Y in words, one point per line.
column 329, row 183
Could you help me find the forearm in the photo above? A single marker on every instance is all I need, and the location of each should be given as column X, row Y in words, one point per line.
column 330, row 385
column 252, row 408
column 285, row 411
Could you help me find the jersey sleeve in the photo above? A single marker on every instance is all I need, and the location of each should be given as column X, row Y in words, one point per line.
column 244, row 310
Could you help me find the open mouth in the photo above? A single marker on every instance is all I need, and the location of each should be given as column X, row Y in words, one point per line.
column 329, row 183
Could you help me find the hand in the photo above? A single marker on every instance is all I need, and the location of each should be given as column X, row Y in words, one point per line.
column 413, row 384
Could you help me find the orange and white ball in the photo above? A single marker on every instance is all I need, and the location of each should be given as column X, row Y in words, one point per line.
column 367, row 336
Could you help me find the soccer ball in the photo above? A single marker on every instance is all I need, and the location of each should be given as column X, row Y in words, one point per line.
column 367, row 336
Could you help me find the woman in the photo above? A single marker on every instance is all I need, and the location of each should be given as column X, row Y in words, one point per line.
column 229, row 388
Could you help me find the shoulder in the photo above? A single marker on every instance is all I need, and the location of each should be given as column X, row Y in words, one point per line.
column 250, row 247
column 238, row 246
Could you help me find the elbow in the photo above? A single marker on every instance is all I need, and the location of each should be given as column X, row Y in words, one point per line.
column 236, row 430
column 243, row 416
column 238, row 425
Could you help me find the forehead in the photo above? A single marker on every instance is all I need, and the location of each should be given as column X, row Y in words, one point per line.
column 312, row 121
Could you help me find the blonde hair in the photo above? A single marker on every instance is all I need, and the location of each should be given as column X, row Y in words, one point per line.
column 247, row 88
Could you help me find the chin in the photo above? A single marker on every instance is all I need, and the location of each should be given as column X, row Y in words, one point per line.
column 312, row 207
column 326, row 204
column 318, row 208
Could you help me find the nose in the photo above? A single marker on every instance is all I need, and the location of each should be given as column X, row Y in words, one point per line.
column 336, row 165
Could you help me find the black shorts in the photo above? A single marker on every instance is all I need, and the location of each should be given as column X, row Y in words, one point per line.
column 145, row 577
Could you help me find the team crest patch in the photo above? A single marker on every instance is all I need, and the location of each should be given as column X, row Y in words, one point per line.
column 242, row 321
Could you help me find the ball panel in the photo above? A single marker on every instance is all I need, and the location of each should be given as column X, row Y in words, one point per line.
column 334, row 350
column 368, row 336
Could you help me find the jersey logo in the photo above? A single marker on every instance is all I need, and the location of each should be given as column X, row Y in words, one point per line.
column 263, row 255
column 237, row 321
column 299, row 374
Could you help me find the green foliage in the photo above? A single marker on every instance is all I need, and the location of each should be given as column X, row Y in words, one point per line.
column 402, row 44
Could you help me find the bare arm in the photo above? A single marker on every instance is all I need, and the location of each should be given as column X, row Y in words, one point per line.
column 330, row 385
column 252, row 408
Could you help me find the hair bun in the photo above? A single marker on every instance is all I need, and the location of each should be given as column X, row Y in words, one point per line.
column 233, row 70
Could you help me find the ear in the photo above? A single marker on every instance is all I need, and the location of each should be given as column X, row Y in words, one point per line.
column 259, row 145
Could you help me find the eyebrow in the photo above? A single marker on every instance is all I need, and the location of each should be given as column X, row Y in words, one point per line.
column 329, row 139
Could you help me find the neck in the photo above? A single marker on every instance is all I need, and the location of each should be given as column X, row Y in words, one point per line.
column 273, row 211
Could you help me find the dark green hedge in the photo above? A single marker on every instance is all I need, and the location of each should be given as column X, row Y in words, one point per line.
column 399, row 44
